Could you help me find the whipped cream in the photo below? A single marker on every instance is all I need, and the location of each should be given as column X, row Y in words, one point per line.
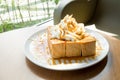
column 68, row 29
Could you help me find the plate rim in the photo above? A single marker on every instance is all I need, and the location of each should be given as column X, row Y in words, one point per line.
column 33, row 60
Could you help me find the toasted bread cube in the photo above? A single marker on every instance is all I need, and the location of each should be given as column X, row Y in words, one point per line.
column 73, row 48
column 56, row 46
column 88, row 46
column 60, row 48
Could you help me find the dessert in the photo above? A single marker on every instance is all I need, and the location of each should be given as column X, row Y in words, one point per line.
column 68, row 39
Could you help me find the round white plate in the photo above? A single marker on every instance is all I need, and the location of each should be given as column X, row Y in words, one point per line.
column 36, row 51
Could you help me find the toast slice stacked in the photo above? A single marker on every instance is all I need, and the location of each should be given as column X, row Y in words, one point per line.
column 65, row 48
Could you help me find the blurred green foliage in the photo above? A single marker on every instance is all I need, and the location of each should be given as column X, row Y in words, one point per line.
column 7, row 25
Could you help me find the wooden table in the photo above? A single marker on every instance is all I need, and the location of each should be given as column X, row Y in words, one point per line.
column 15, row 66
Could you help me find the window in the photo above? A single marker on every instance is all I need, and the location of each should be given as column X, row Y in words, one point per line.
column 21, row 13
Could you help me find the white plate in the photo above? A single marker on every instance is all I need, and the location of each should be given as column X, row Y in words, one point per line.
column 36, row 51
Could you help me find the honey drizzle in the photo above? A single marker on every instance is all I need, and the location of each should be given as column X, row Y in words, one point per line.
column 80, row 59
column 68, row 60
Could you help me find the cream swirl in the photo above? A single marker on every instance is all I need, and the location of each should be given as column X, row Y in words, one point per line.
column 68, row 29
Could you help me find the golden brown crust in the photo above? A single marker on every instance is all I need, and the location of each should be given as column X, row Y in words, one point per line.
column 73, row 48
column 57, row 47
column 88, row 45
column 60, row 48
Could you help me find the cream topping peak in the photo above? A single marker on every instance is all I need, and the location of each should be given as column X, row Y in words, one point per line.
column 68, row 29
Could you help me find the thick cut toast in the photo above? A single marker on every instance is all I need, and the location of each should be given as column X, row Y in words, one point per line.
column 60, row 48
column 56, row 46
column 73, row 48
column 88, row 46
